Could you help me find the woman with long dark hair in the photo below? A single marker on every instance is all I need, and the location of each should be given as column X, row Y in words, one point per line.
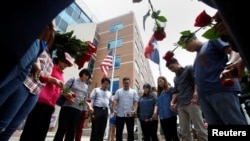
column 168, row 118
column 148, row 116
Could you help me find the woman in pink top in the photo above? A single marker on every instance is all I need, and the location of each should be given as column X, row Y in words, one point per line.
column 38, row 121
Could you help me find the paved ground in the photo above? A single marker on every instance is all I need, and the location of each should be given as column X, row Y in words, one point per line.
column 50, row 136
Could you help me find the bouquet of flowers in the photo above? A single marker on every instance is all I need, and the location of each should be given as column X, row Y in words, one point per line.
column 81, row 51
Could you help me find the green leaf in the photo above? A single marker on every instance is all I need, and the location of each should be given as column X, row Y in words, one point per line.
column 155, row 14
column 145, row 17
column 211, row 34
column 186, row 33
column 162, row 19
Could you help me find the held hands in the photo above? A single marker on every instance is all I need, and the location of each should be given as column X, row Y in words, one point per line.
column 173, row 106
column 194, row 100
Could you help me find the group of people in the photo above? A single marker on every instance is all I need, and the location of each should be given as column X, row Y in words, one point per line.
column 22, row 92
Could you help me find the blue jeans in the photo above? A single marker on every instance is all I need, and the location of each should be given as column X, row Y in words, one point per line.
column 14, row 110
column 22, row 69
column 222, row 109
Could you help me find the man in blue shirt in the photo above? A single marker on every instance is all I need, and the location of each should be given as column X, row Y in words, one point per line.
column 125, row 105
column 219, row 103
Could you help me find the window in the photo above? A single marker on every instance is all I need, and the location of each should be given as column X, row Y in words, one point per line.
column 114, row 43
column 137, row 68
column 142, row 62
column 115, row 85
column 136, row 48
column 136, row 32
column 91, row 65
column 137, row 86
column 95, row 42
column 142, row 78
column 145, row 69
column 114, row 27
column 117, row 62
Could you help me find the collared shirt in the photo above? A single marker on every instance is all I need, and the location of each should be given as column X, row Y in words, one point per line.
column 126, row 99
column 34, row 85
column 50, row 92
column 101, row 98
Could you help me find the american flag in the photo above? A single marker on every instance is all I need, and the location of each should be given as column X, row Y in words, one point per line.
column 107, row 63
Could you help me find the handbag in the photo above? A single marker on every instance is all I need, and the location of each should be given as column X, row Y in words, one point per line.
column 61, row 99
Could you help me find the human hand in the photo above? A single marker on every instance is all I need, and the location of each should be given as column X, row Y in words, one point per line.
column 115, row 112
column 91, row 110
column 194, row 100
column 59, row 83
column 155, row 116
column 173, row 106
column 234, row 70
column 70, row 97
column 220, row 26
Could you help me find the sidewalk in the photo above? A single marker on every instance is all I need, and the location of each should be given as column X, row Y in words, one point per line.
column 50, row 136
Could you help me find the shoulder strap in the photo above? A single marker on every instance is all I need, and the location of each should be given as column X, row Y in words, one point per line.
column 73, row 81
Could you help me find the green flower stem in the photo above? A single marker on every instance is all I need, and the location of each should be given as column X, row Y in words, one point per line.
column 175, row 48
column 197, row 30
column 152, row 8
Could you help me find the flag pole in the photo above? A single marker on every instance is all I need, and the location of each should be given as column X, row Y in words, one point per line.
column 160, row 69
column 107, row 131
column 113, row 65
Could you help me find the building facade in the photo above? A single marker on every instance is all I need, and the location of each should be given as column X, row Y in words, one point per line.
column 122, row 34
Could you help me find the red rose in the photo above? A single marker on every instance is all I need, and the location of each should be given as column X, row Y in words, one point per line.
column 88, row 100
column 227, row 82
column 168, row 56
column 160, row 34
column 203, row 19
column 91, row 47
column 74, row 95
column 43, row 79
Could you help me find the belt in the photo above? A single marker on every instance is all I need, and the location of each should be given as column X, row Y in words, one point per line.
column 103, row 108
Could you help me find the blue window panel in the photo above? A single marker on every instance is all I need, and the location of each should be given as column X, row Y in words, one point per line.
column 114, row 27
column 111, row 43
column 115, row 86
column 117, row 62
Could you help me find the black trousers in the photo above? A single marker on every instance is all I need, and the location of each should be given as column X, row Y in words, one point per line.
column 99, row 123
column 69, row 117
column 129, row 121
column 37, row 123
column 149, row 130
column 169, row 128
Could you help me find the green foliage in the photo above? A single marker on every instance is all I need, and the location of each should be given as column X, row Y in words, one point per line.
column 211, row 34
column 155, row 15
column 66, row 42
